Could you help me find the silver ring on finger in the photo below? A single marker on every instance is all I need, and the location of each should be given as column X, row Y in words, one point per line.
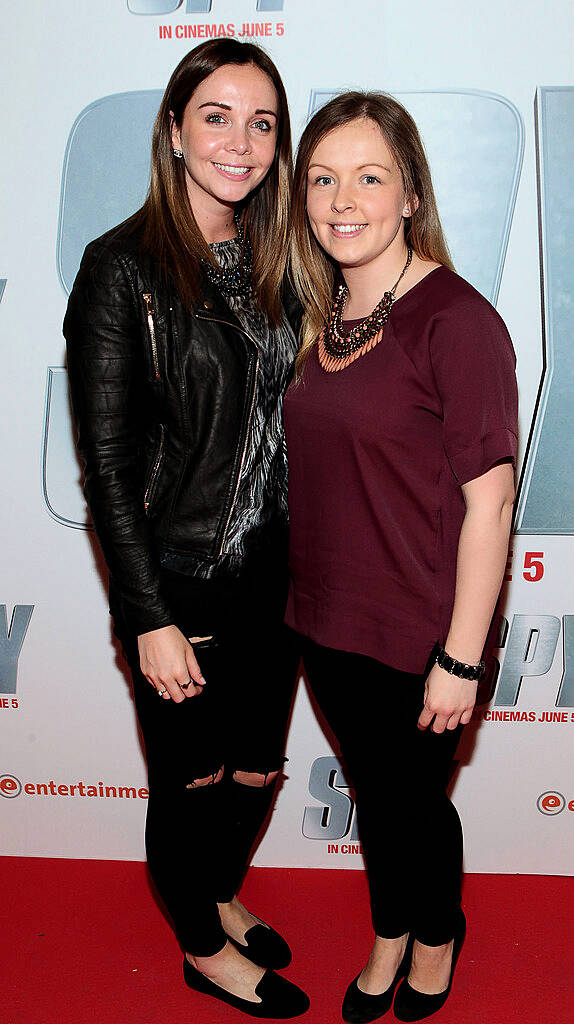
column 184, row 686
column 162, row 693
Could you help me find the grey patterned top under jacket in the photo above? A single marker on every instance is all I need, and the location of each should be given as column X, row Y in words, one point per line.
column 261, row 501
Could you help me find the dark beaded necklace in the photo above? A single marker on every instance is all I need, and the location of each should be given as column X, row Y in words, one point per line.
column 234, row 280
column 340, row 345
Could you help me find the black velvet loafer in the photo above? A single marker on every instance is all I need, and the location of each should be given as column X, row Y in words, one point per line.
column 411, row 1005
column 264, row 947
column 280, row 999
column 361, row 1008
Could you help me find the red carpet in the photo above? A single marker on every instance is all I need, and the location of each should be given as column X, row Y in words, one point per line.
column 84, row 942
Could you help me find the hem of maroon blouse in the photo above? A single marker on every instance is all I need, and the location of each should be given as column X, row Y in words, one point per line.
column 411, row 654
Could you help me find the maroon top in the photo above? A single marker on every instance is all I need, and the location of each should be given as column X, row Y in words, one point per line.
column 377, row 454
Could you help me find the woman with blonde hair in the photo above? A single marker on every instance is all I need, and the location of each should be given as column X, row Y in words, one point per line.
column 401, row 431
column 181, row 341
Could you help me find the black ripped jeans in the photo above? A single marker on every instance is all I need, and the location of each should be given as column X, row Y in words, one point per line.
column 409, row 829
column 198, row 839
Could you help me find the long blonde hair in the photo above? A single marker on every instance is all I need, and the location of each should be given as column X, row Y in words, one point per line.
column 314, row 272
column 170, row 231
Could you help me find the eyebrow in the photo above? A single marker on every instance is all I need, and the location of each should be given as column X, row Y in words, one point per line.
column 382, row 166
column 360, row 168
column 225, row 106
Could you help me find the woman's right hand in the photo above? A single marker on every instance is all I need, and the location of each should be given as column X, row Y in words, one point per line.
column 169, row 664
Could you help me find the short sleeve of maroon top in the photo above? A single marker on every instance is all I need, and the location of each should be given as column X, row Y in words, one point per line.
column 377, row 456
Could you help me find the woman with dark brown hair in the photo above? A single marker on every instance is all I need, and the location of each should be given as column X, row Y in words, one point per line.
column 181, row 341
column 401, row 432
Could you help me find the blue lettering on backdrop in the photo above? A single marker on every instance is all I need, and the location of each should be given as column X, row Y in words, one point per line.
column 153, row 6
column 61, row 474
column 566, row 691
column 11, row 641
column 546, row 497
column 530, row 649
column 191, row 6
column 106, row 171
column 335, row 818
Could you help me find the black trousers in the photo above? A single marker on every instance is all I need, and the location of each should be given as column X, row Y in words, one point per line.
column 198, row 839
column 409, row 829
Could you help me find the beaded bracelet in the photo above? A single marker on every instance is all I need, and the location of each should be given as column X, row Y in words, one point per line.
column 459, row 668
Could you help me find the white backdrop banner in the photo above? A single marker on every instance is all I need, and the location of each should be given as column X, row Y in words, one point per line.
column 492, row 90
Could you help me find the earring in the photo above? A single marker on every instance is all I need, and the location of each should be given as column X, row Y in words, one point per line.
column 407, row 211
column 178, row 153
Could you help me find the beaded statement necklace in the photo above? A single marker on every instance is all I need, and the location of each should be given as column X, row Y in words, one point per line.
column 236, row 279
column 336, row 347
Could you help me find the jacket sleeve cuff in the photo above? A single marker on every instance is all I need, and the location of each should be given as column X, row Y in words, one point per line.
column 138, row 619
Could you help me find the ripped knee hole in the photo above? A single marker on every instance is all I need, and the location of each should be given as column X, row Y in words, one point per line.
column 255, row 778
column 209, row 780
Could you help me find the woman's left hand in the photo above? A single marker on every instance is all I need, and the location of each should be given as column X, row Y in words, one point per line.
column 448, row 699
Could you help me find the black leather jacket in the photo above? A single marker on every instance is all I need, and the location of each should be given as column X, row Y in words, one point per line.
column 163, row 399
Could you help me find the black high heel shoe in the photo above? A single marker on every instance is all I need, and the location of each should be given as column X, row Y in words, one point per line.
column 411, row 1005
column 280, row 999
column 264, row 947
column 361, row 1008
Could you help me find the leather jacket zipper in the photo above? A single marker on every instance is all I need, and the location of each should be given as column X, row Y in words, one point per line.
column 155, row 469
column 218, row 320
column 151, row 328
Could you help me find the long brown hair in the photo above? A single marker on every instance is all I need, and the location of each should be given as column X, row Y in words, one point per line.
column 170, row 231
column 312, row 270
